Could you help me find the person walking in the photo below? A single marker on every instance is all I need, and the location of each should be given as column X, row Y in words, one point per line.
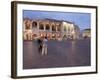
column 44, row 47
column 40, row 45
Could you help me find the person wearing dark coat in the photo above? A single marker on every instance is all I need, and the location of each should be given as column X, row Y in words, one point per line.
column 40, row 45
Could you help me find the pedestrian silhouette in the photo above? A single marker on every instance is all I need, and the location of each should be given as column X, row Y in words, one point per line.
column 39, row 45
column 44, row 47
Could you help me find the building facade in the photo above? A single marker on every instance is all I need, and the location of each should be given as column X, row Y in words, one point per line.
column 86, row 33
column 53, row 29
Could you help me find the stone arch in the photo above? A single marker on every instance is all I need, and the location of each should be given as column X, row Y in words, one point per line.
column 34, row 24
column 41, row 26
column 53, row 27
column 27, row 24
column 47, row 27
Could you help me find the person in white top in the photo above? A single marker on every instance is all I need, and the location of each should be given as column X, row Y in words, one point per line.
column 44, row 46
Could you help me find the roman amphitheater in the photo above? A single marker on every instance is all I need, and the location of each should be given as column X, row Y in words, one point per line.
column 52, row 28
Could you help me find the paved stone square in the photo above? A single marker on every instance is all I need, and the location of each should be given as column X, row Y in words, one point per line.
column 66, row 53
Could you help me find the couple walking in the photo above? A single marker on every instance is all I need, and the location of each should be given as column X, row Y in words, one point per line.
column 42, row 45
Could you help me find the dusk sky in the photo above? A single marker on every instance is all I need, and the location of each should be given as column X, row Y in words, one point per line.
column 83, row 20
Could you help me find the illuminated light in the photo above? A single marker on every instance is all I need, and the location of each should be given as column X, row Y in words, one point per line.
column 29, row 31
column 53, row 35
column 41, row 34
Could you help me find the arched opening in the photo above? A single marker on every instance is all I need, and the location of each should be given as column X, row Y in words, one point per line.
column 41, row 26
column 65, row 37
column 27, row 25
column 34, row 36
column 68, row 29
column 34, row 24
column 47, row 27
column 59, row 28
column 53, row 36
column 53, row 28
column 65, row 28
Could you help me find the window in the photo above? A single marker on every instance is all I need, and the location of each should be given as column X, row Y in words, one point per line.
column 41, row 26
column 64, row 28
column 47, row 27
column 34, row 24
column 68, row 28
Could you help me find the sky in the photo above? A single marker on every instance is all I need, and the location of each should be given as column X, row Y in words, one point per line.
column 83, row 20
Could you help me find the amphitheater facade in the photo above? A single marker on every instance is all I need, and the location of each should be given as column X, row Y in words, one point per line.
column 53, row 29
